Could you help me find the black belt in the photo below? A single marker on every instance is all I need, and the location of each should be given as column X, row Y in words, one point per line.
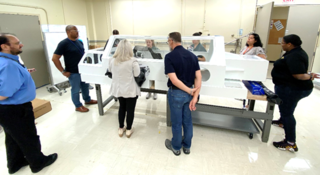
column 24, row 104
column 176, row 88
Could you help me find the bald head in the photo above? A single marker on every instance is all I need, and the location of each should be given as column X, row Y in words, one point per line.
column 72, row 32
column 69, row 27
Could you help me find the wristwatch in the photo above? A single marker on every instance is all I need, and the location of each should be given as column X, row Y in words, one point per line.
column 310, row 76
column 63, row 71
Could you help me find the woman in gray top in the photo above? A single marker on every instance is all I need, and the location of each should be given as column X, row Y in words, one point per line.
column 124, row 67
column 150, row 44
column 198, row 47
column 253, row 46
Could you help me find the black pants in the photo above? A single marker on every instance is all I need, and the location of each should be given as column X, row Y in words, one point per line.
column 22, row 141
column 290, row 98
column 127, row 106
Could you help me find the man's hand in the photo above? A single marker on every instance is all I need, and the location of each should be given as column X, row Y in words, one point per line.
column 66, row 74
column 31, row 70
column 192, row 91
column 192, row 105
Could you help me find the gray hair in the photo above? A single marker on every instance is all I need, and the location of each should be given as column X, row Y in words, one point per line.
column 69, row 27
column 124, row 52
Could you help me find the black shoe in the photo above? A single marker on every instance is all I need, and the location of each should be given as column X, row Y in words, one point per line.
column 284, row 145
column 17, row 168
column 51, row 158
column 186, row 150
column 277, row 123
column 169, row 146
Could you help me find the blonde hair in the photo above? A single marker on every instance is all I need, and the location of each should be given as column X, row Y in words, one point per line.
column 124, row 52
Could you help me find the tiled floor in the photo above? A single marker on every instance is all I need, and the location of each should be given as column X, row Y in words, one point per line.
column 89, row 144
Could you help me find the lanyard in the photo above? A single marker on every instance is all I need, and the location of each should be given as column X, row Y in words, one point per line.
column 79, row 49
column 12, row 60
column 247, row 50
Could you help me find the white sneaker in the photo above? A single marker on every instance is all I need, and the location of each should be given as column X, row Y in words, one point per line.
column 121, row 131
column 155, row 96
column 148, row 95
column 129, row 132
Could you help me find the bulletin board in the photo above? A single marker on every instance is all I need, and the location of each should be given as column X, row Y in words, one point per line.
column 277, row 31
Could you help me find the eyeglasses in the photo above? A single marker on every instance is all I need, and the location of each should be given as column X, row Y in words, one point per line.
column 168, row 41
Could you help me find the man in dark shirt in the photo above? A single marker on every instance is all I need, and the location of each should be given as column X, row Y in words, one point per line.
column 183, row 70
column 72, row 49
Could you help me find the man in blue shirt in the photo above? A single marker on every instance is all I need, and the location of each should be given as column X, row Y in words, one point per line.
column 72, row 50
column 183, row 70
column 17, row 90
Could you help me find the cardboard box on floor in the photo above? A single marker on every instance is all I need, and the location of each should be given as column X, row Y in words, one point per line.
column 40, row 107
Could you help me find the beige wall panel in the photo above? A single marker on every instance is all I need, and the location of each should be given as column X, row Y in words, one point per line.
column 222, row 18
column 280, row 13
column 194, row 17
column 122, row 16
column 54, row 9
column 274, row 52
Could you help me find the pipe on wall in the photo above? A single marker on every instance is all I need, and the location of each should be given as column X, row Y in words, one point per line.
column 28, row 6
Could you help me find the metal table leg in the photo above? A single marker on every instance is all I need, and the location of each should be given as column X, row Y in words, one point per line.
column 99, row 99
column 267, row 123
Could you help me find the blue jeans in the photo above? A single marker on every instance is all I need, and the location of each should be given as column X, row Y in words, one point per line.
column 76, row 85
column 290, row 98
column 180, row 116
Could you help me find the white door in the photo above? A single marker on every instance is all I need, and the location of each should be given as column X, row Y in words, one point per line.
column 263, row 21
column 304, row 20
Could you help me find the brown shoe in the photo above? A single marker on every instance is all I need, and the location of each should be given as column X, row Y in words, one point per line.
column 91, row 102
column 82, row 109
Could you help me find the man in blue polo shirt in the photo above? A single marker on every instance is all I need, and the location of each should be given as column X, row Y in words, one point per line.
column 17, row 90
column 182, row 68
column 72, row 50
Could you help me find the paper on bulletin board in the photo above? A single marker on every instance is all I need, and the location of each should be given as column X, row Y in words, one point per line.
column 278, row 25
column 280, row 40
column 271, row 24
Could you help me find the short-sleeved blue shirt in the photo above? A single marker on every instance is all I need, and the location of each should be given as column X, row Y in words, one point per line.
column 182, row 62
column 16, row 82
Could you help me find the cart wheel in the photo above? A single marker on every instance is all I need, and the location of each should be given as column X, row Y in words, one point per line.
column 250, row 135
column 60, row 93
column 65, row 91
column 49, row 89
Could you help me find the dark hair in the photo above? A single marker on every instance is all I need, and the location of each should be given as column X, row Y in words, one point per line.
column 115, row 32
column 175, row 36
column 3, row 39
column 197, row 34
column 293, row 39
column 258, row 42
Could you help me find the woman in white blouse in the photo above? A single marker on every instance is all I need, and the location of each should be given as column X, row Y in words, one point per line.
column 253, row 46
column 124, row 67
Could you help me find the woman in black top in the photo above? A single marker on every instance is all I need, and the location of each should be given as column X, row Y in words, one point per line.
column 292, row 83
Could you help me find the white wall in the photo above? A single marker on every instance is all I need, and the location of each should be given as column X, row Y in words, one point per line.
column 160, row 17
column 58, row 11
column 294, row 2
